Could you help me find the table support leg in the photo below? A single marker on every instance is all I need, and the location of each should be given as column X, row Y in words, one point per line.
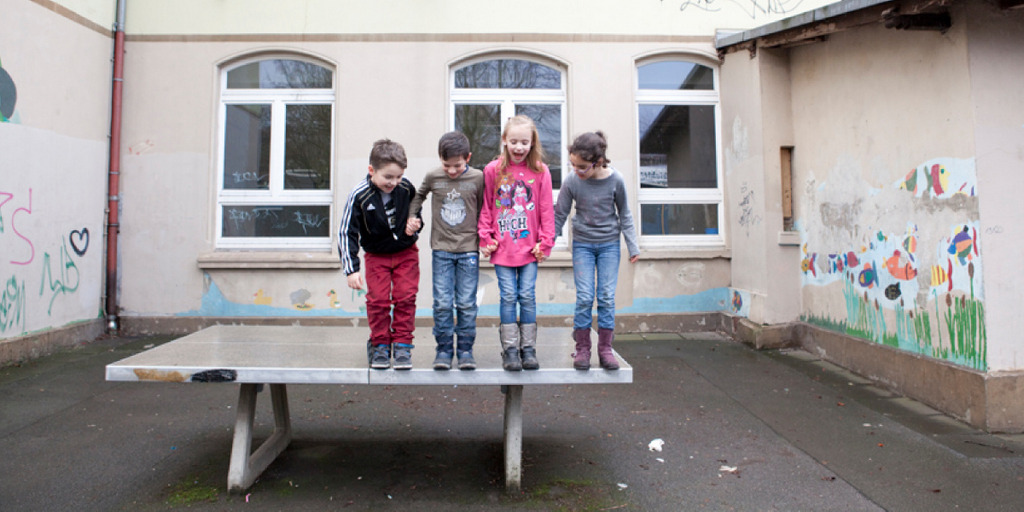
column 513, row 438
column 245, row 468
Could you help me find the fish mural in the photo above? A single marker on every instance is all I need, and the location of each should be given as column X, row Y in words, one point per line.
column 807, row 264
column 910, row 242
column 964, row 245
column 941, row 178
column 941, row 275
column 902, row 271
column 868, row 277
column 892, row 292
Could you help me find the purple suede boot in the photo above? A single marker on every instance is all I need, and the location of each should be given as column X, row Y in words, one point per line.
column 581, row 358
column 604, row 349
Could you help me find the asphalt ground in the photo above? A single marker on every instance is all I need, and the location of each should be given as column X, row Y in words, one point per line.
column 741, row 430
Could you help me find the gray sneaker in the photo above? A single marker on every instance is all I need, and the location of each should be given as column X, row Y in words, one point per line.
column 443, row 361
column 380, row 357
column 403, row 356
column 466, row 361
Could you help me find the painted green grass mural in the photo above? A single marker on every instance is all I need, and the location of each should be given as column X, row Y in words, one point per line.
column 962, row 323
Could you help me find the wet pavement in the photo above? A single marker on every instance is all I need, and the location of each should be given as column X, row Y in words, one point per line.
column 742, row 430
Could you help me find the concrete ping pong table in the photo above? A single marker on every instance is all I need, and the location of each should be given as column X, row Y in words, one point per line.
column 280, row 355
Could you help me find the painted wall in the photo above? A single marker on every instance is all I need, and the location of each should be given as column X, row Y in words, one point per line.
column 601, row 17
column 54, row 102
column 757, row 122
column 996, row 68
column 888, row 191
column 172, row 230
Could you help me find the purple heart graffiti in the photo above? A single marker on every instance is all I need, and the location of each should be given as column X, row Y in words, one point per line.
column 79, row 241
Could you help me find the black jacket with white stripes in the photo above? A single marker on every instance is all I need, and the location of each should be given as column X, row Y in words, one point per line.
column 364, row 222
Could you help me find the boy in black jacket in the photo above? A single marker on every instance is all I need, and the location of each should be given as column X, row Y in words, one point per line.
column 375, row 217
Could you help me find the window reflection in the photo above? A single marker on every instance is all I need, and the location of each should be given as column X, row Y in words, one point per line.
column 677, row 146
column 247, row 147
column 678, row 219
column 482, row 125
column 507, row 74
column 279, row 74
column 307, row 151
column 675, row 75
column 548, row 119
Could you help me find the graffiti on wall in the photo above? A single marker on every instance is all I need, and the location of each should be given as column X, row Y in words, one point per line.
column 8, row 96
column 56, row 270
column 898, row 291
column 753, row 8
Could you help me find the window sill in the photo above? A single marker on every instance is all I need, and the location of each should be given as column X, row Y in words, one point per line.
column 268, row 260
column 563, row 258
column 789, row 238
column 560, row 258
column 703, row 253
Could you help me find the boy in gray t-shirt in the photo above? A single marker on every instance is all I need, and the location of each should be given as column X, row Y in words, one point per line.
column 458, row 191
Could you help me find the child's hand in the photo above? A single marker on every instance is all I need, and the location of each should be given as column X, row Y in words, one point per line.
column 355, row 281
column 538, row 253
column 488, row 249
column 412, row 226
column 634, row 258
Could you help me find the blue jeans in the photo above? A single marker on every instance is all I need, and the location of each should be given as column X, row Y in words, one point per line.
column 456, row 275
column 517, row 285
column 601, row 260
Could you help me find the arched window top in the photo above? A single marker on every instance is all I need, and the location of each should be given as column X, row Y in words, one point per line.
column 280, row 73
column 507, row 74
column 675, row 75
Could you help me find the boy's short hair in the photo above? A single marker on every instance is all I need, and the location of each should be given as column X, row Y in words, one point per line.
column 387, row 151
column 453, row 144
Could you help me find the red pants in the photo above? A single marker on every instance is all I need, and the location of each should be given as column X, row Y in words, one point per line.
column 392, row 281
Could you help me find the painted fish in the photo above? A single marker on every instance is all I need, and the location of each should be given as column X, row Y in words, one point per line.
column 941, row 275
column 910, row 243
column 892, row 292
column 807, row 265
column 851, row 259
column 962, row 245
column 903, row 272
column 938, row 179
column 835, row 263
column 867, row 277
column 910, row 182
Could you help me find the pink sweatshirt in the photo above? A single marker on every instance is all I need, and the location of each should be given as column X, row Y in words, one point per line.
column 517, row 212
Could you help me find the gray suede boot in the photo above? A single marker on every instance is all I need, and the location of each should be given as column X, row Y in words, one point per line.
column 528, row 346
column 509, row 335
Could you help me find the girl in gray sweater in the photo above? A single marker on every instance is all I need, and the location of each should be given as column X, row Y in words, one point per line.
column 602, row 215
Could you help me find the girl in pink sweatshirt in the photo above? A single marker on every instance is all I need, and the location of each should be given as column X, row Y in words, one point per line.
column 517, row 228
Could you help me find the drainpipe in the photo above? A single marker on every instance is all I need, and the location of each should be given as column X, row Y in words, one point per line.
column 114, row 174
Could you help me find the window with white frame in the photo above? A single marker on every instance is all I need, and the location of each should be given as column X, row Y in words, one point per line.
column 680, row 192
column 486, row 93
column 275, row 187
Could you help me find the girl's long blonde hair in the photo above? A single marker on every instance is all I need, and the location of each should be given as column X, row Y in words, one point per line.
column 535, row 158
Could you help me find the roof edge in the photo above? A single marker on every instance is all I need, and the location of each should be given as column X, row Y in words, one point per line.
column 727, row 38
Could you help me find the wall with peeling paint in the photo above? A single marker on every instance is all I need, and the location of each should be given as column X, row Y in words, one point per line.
column 993, row 52
column 757, row 121
column 907, row 152
column 888, row 203
column 54, row 110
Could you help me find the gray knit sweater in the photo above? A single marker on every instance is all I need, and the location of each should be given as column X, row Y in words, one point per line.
column 602, row 210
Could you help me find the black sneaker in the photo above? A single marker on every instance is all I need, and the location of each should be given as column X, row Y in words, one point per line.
column 380, row 357
column 403, row 356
